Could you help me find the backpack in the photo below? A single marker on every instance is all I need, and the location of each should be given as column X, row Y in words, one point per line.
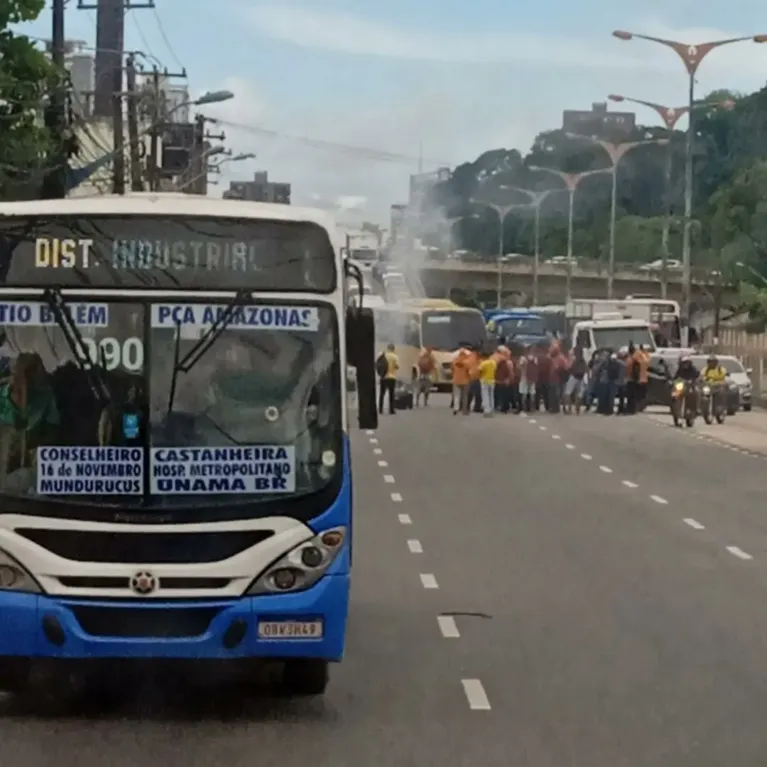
column 382, row 365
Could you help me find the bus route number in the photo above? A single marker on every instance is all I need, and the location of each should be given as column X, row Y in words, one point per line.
column 111, row 353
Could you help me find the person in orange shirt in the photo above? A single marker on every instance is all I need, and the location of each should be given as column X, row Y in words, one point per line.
column 475, row 389
column 461, row 380
column 642, row 363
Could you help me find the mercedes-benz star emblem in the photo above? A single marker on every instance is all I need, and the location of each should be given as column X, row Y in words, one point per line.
column 143, row 583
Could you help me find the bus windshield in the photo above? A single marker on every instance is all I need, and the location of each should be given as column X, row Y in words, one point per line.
column 617, row 337
column 445, row 331
column 521, row 326
column 257, row 417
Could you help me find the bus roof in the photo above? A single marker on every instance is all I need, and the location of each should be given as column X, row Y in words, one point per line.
column 168, row 203
column 417, row 306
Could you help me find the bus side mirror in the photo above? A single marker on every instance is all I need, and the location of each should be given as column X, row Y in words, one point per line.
column 360, row 353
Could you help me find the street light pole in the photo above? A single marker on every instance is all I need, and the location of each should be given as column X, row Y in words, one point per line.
column 616, row 152
column 670, row 117
column 536, row 200
column 502, row 211
column 571, row 181
column 692, row 57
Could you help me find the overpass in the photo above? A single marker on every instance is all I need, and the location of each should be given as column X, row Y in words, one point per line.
column 478, row 280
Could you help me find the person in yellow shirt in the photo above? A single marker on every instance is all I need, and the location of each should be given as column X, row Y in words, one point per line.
column 487, row 368
column 389, row 379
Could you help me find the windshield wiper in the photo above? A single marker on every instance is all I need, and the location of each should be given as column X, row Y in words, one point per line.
column 197, row 352
column 77, row 345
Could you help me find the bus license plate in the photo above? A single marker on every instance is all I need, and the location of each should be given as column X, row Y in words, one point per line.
column 290, row 629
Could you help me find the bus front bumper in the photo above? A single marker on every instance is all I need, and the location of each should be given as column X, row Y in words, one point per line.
column 36, row 626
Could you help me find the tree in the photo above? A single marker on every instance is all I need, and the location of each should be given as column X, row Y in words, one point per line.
column 26, row 77
column 728, row 141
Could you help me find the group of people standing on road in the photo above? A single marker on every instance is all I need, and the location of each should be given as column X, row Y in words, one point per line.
column 536, row 378
column 527, row 379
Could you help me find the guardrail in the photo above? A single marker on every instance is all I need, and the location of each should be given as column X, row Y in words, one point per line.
column 585, row 268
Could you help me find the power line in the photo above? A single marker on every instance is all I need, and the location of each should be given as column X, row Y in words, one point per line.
column 165, row 38
column 366, row 152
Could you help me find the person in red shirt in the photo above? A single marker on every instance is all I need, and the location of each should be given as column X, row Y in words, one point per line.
column 545, row 372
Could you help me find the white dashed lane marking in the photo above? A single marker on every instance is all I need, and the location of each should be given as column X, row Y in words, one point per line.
column 378, row 451
column 414, row 546
column 739, row 553
column 555, row 436
column 428, row 581
column 585, row 456
column 569, row 446
column 606, row 469
column 694, row 524
column 389, row 479
column 447, row 627
column 373, row 441
column 396, row 497
column 632, row 485
column 659, row 499
column 370, row 432
column 405, row 519
column 383, row 464
column 542, row 428
column 476, row 695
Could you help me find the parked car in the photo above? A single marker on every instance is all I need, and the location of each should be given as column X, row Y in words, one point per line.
column 741, row 377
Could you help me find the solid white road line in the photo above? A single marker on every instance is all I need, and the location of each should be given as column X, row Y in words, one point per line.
column 415, row 546
column 378, row 451
column 396, row 497
column 383, row 464
column 429, row 581
column 739, row 553
column 476, row 695
column 606, row 469
column 447, row 627
column 632, row 485
column 585, row 456
column 389, row 479
column 658, row 499
column 405, row 519
column 694, row 524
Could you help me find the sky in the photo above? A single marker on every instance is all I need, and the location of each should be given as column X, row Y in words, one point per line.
column 424, row 83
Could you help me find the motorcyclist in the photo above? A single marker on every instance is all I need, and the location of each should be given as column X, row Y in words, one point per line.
column 686, row 371
column 714, row 373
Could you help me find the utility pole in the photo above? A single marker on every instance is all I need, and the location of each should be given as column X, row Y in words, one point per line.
column 108, row 91
column 197, row 176
column 153, row 170
column 54, row 183
column 137, row 182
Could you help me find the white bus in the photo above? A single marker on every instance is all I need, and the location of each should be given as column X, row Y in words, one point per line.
column 174, row 469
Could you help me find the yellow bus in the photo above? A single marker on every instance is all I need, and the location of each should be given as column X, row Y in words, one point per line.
column 437, row 323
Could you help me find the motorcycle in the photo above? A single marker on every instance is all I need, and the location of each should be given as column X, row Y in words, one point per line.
column 713, row 404
column 683, row 403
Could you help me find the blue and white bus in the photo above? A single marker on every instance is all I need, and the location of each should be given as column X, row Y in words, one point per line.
column 175, row 479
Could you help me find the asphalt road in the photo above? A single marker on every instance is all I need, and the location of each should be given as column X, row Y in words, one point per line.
column 542, row 591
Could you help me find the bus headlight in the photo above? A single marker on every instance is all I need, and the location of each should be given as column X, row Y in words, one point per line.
column 15, row 577
column 301, row 567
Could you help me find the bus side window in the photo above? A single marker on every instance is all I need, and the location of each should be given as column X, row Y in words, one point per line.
column 584, row 339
